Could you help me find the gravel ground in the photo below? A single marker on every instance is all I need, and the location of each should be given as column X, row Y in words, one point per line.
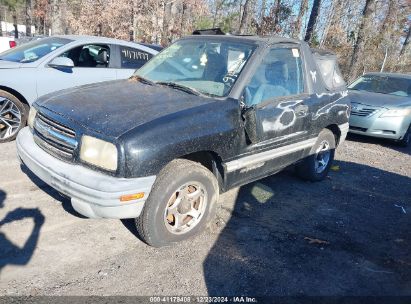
column 347, row 235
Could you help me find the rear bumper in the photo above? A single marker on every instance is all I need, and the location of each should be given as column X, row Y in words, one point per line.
column 92, row 193
column 383, row 127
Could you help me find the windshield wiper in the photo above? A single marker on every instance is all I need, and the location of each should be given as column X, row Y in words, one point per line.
column 142, row 80
column 179, row 87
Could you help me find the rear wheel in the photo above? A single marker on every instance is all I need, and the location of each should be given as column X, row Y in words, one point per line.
column 406, row 140
column 315, row 167
column 13, row 116
column 183, row 200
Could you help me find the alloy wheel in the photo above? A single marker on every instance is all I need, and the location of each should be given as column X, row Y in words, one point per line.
column 323, row 155
column 185, row 208
column 10, row 118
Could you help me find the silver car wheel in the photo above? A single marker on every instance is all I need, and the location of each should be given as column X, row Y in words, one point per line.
column 323, row 155
column 10, row 118
column 185, row 208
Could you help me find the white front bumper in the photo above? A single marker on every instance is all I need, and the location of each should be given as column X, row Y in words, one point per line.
column 93, row 194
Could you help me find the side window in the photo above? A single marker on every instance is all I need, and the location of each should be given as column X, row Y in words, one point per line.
column 279, row 74
column 133, row 58
column 89, row 56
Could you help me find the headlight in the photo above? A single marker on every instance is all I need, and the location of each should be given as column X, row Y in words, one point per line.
column 99, row 153
column 32, row 115
column 396, row 113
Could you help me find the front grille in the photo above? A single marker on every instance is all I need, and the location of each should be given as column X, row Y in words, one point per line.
column 364, row 112
column 54, row 137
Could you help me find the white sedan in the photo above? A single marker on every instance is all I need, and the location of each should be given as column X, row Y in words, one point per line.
column 60, row 62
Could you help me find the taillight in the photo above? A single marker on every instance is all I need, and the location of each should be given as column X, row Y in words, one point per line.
column 12, row 43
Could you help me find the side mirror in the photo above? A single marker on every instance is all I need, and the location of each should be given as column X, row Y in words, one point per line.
column 61, row 62
column 250, row 124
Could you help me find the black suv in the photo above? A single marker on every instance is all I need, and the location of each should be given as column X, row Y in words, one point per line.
column 207, row 114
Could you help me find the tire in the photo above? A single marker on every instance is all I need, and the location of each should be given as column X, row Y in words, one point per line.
column 312, row 168
column 13, row 116
column 161, row 223
column 406, row 140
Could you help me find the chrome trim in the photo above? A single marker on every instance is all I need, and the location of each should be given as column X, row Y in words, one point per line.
column 50, row 133
column 254, row 159
column 58, row 127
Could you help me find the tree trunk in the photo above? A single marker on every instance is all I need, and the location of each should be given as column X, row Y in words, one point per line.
column 28, row 17
column 312, row 21
column 357, row 54
column 334, row 19
column 1, row 20
column 16, row 32
column 298, row 23
column 261, row 23
column 183, row 10
column 215, row 13
column 406, row 42
column 277, row 16
column 58, row 8
column 245, row 17
column 166, row 22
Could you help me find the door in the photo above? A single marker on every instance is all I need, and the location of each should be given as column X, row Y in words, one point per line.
column 131, row 59
column 276, row 116
column 91, row 64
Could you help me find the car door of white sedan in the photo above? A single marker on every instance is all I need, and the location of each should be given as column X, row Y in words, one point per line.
column 91, row 65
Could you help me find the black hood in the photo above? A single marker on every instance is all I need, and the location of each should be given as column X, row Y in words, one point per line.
column 378, row 100
column 115, row 107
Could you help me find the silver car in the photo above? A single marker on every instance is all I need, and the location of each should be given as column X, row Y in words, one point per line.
column 381, row 106
column 60, row 62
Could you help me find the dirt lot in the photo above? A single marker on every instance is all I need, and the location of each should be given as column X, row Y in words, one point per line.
column 348, row 235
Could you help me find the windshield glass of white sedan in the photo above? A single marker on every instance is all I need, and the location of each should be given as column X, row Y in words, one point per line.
column 210, row 67
column 34, row 50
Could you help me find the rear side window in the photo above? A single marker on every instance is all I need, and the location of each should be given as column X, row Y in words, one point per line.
column 133, row 58
column 330, row 72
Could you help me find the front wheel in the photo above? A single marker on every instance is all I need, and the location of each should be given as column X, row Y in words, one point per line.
column 181, row 203
column 406, row 140
column 13, row 116
column 315, row 167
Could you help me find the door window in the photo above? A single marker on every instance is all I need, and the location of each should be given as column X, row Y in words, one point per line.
column 133, row 58
column 278, row 75
column 89, row 56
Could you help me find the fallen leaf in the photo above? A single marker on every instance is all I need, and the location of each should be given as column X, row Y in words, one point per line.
column 315, row 241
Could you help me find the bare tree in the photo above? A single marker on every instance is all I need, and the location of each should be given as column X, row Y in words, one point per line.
column 245, row 16
column 357, row 54
column 406, row 41
column 313, row 20
column 28, row 7
column 302, row 11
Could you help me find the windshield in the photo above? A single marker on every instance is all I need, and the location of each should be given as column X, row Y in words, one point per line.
column 34, row 50
column 209, row 67
column 383, row 84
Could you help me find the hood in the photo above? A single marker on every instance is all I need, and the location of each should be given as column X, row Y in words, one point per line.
column 4, row 64
column 115, row 107
column 378, row 100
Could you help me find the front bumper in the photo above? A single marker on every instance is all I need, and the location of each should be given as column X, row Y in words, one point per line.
column 383, row 127
column 92, row 193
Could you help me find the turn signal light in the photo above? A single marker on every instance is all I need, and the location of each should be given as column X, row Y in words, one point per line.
column 131, row 197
